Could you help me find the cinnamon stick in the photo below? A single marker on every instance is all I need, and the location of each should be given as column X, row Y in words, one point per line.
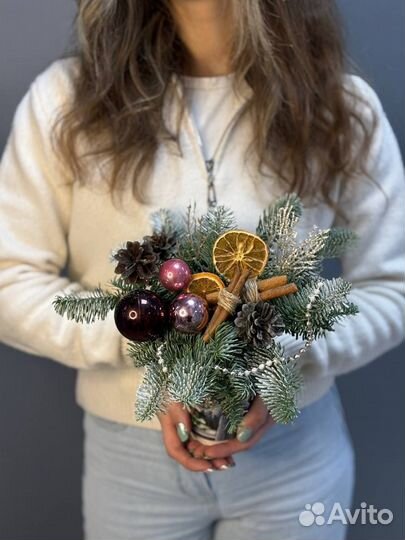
column 223, row 314
column 262, row 285
column 290, row 288
column 229, row 288
column 271, row 283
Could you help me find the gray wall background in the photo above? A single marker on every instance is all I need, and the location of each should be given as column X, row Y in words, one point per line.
column 41, row 434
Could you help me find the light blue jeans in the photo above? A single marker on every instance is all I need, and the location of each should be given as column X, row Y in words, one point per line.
column 132, row 490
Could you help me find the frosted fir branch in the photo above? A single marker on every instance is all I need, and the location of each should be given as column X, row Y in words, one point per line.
column 151, row 394
column 178, row 345
column 199, row 235
column 229, row 351
column 190, row 244
column 277, row 223
column 214, row 223
column 144, row 353
column 124, row 286
column 87, row 306
column 242, row 386
column 217, row 221
column 233, row 408
column 225, row 346
column 279, row 384
column 300, row 262
column 164, row 221
column 338, row 242
column 330, row 306
column 191, row 382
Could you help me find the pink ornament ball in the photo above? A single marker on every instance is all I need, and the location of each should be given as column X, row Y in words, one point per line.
column 188, row 313
column 175, row 275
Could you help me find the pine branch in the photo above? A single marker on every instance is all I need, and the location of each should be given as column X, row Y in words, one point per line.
column 199, row 235
column 278, row 385
column 155, row 286
column 300, row 262
column 95, row 305
column 225, row 347
column 278, row 221
column 123, row 286
column 191, row 381
column 338, row 241
column 189, row 245
column 331, row 306
column 143, row 353
column 151, row 394
column 242, row 386
column 229, row 351
column 189, row 361
column 233, row 408
column 211, row 226
column 164, row 221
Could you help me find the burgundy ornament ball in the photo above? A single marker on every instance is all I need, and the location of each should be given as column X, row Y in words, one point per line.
column 141, row 316
column 175, row 275
column 188, row 313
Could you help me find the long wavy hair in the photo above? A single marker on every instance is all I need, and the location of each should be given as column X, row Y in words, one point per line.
column 290, row 53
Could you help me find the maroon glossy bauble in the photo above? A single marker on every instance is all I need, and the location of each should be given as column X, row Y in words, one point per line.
column 188, row 313
column 141, row 316
column 175, row 275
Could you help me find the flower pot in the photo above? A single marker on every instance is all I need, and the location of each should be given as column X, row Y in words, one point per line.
column 209, row 424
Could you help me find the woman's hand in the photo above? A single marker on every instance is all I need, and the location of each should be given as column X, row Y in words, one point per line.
column 255, row 423
column 176, row 428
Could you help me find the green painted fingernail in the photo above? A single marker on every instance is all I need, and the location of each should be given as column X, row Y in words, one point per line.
column 244, row 434
column 182, row 432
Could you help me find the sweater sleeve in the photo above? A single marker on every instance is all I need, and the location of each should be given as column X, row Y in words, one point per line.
column 35, row 199
column 374, row 206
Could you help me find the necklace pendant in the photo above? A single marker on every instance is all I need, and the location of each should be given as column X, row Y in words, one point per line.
column 212, row 196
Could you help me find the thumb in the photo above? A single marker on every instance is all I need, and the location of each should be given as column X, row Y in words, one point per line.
column 181, row 419
column 254, row 419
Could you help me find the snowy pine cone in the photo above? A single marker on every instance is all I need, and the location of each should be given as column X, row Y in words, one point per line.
column 259, row 323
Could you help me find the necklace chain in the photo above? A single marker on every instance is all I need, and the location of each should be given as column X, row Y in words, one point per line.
column 212, row 195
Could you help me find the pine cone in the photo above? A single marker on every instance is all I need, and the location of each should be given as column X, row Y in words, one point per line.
column 163, row 244
column 137, row 262
column 259, row 323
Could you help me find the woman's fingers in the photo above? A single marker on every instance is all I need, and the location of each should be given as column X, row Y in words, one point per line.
column 222, row 464
column 181, row 417
column 253, row 420
column 176, row 429
column 175, row 447
column 197, row 450
column 252, row 428
column 233, row 446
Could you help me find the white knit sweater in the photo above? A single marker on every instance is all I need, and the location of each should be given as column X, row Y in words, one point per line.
column 45, row 223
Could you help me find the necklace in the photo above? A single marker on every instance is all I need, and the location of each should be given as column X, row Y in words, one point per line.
column 210, row 164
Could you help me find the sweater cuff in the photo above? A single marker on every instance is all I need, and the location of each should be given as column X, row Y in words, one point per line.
column 126, row 359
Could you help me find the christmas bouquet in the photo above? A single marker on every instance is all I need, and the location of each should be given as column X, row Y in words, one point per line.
column 202, row 305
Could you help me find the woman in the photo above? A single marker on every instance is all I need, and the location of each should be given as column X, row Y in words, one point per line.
column 215, row 102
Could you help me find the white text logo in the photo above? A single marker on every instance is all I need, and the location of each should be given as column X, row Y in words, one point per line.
column 314, row 514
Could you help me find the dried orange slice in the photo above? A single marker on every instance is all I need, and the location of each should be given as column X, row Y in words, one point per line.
column 205, row 283
column 240, row 248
